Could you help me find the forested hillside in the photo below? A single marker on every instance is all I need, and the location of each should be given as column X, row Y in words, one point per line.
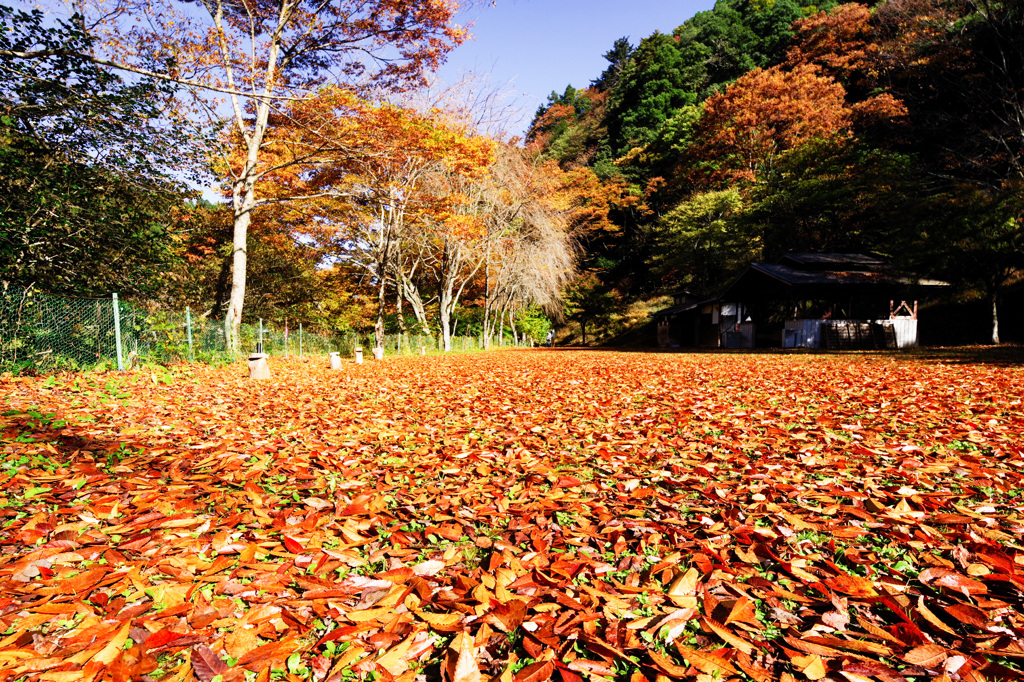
column 758, row 128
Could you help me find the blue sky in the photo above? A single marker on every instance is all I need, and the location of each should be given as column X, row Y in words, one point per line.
column 544, row 45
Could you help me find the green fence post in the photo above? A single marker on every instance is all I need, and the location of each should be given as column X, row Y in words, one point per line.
column 117, row 334
column 300, row 340
column 188, row 327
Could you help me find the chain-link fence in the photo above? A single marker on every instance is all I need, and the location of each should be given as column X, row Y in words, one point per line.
column 45, row 332
column 55, row 332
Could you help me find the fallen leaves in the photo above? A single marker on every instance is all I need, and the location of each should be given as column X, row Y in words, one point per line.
column 517, row 516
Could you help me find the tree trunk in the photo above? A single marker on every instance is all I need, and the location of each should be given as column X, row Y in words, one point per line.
column 487, row 297
column 378, row 326
column 244, row 198
column 412, row 295
column 446, row 323
column 243, row 189
column 401, row 319
column 993, row 296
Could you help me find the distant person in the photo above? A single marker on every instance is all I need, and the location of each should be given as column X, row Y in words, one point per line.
column 551, row 338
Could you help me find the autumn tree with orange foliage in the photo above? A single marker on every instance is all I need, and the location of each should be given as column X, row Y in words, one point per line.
column 371, row 198
column 765, row 113
column 257, row 56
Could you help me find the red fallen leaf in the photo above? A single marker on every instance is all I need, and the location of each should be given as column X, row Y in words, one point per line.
column 743, row 612
column 293, row 545
column 398, row 576
column 206, row 665
column 114, row 647
column 568, row 482
column 835, row 620
column 944, row 577
column 158, row 639
column 357, row 506
column 85, row 581
column 536, row 672
column 179, row 642
column 594, row 667
column 567, row 674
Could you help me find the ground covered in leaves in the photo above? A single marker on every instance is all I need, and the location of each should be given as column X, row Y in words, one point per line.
column 523, row 515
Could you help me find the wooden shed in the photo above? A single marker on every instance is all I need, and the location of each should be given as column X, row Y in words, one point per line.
column 687, row 323
column 831, row 300
column 807, row 300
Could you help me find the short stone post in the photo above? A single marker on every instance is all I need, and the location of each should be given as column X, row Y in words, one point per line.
column 258, row 368
column 335, row 360
column 378, row 353
column 359, row 355
column 423, row 350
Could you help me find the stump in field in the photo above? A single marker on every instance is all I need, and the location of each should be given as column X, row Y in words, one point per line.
column 335, row 360
column 258, row 367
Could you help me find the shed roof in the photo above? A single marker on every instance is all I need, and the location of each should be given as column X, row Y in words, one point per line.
column 824, row 274
column 834, row 261
column 685, row 308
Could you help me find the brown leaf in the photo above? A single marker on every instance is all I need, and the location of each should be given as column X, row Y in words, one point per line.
column 240, row 641
column 665, row 664
column 811, row 666
column 442, row 622
column 965, row 613
column 205, row 664
column 508, row 616
column 852, row 585
column 729, row 637
column 927, row 655
column 705, row 662
column 944, row 577
column 536, row 672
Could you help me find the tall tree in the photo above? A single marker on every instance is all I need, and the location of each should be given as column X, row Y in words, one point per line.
column 258, row 55
column 529, row 250
column 697, row 243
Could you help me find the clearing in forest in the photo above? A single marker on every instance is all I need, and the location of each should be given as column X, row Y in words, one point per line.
column 517, row 515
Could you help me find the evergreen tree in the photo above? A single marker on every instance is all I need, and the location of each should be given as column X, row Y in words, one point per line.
column 617, row 57
column 650, row 89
